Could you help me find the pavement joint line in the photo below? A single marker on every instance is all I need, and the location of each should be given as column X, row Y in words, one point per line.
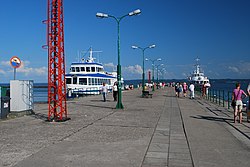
column 151, row 139
column 169, row 138
column 183, row 125
column 86, row 126
column 124, row 126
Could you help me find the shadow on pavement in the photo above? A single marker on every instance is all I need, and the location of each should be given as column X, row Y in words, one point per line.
column 210, row 118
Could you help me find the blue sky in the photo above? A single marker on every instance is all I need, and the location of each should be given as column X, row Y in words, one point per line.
column 216, row 31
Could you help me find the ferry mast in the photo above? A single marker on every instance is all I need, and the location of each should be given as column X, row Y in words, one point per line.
column 56, row 62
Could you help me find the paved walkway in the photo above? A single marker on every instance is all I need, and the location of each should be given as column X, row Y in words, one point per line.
column 158, row 132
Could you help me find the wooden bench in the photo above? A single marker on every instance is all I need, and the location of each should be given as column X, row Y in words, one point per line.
column 146, row 94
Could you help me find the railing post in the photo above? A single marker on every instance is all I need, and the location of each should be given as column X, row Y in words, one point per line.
column 216, row 96
column 210, row 94
column 228, row 100
column 223, row 98
column 213, row 95
column 219, row 97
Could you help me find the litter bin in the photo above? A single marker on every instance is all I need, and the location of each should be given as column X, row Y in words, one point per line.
column 5, row 107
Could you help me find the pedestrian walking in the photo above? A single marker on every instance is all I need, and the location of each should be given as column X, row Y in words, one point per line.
column 237, row 102
column 185, row 88
column 104, row 90
column 176, row 88
column 180, row 89
column 248, row 105
column 191, row 88
column 115, row 91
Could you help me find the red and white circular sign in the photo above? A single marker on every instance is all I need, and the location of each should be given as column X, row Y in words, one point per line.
column 15, row 62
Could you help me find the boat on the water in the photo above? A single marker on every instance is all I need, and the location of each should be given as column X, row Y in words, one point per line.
column 87, row 77
column 198, row 77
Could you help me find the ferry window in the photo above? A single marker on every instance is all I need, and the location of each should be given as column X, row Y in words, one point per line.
column 73, row 69
column 93, row 81
column 82, row 68
column 88, row 69
column 75, row 80
column 77, row 69
column 89, row 79
column 93, row 69
column 96, row 83
column 83, row 81
column 68, row 80
column 98, row 69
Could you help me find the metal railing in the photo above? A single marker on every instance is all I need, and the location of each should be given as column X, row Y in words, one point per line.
column 220, row 97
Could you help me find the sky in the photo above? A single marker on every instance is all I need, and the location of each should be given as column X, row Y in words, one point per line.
column 215, row 31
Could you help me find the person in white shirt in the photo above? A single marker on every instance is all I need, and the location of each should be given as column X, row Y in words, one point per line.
column 104, row 90
column 191, row 88
column 115, row 91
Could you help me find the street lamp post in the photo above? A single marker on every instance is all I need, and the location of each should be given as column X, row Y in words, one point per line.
column 118, row 20
column 143, row 69
column 153, row 65
column 162, row 71
column 157, row 68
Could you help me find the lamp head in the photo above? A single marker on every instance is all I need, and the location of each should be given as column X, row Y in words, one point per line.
column 134, row 47
column 102, row 15
column 135, row 12
column 146, row 59
column 151, row 46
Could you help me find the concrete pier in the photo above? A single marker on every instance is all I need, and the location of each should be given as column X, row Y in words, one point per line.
column 162, row 131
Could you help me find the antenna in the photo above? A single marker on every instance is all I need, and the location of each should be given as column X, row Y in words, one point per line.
column 90, row 58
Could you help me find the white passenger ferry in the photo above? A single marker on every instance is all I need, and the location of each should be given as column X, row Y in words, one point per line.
column 87, row 77
column 198, row 77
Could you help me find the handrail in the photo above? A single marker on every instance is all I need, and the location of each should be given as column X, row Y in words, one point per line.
column 219, row 97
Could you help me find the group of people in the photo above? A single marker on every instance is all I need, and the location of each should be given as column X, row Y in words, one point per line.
column 237, row 96
column 104, row 90
column 183, row 88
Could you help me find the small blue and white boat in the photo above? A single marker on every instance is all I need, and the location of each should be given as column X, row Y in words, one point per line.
column 87, row 77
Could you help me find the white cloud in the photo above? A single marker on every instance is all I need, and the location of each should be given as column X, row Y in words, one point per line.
column 2, row 71
column 33, row 71
column 5, row 63
column 27, row 71
column 109, row 65
column 41, row 70
column 137, row 69
column 245, row 67
column 234, row 69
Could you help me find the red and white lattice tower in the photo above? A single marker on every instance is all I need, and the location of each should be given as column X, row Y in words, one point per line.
column 56, row 62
